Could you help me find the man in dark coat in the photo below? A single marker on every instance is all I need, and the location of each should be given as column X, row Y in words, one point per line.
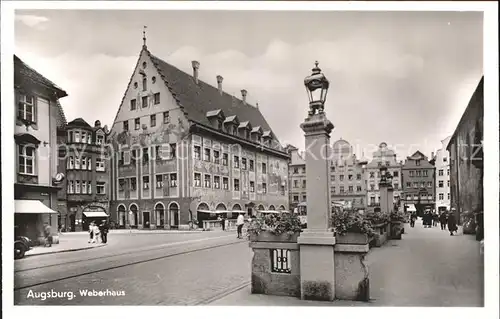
column 443, row 219
column 452, row 222
column 104, row 229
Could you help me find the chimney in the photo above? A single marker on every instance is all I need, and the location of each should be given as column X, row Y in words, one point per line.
column 219, row 83
column 244, row 96
column 196, row 66
column 257, row 105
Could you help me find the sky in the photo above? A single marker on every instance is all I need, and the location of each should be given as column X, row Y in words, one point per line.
column 403, row 78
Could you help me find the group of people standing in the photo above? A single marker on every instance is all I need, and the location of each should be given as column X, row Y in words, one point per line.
column 98, row 232
column 432, row 219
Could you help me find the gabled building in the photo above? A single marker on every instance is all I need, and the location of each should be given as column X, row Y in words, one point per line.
column 384, row 156
column 466, row 158
column 83, row 159
column 297, row 178
column 419, row 182
column 186, row 150
column 38, row 113
column 348, row 183
column 441, row 162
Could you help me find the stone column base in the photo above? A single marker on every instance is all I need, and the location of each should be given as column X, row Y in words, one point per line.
column 351, row 273
column 317, row 266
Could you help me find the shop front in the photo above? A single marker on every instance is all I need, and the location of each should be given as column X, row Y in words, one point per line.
column 94, row 213
column 31, row 216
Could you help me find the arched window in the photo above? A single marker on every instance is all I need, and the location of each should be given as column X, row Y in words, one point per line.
column 282, row 207
column 134, row 216
column 261, row 207
column 272, row 207
column 174, row 214
column 160, row 214
column 121, row 215
column 144, row 83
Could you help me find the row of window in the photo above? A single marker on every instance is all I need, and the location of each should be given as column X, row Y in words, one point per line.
column 419, row 173
column 161, row 180
column 422, row 197
column 441, row 196
column 350, row 177
column 376, row 200
column 85, row 163
column 394, row 174
column 417, row 184
column 152, row 121
column 216, row 183
column 350, row 189
column 296, row 170
column 81, row 136
column 441, row 172
column 441, row 184
column 144, row 101
column 296, row 198
column 85, row 187
column 157, row 152
column 244, row 164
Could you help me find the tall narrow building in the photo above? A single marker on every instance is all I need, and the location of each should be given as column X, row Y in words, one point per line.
column 187, row 151
column 418, row 180
column 442, row 183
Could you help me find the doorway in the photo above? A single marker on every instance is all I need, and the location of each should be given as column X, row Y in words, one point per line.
column 72, row 219
column 145, row 220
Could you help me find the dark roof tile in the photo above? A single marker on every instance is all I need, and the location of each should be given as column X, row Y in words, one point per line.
column 198, row 99
column 22, row 69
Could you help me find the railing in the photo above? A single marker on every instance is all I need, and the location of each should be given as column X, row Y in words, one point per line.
column 280, row 261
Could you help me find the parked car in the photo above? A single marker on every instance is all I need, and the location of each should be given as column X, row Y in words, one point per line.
column 21, row 245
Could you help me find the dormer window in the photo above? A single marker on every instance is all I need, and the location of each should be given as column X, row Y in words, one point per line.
column 231, row 124
column 244, row 129
column 256, row 134
column 267, row 138
column 216, row 118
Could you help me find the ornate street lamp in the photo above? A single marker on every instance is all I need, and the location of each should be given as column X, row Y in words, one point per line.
column 317, row 88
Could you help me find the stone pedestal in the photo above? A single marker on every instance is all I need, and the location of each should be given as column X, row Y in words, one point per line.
column 317, row 263
column 351, row 272
column 386, row 198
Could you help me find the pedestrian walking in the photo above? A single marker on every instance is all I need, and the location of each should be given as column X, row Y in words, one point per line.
column 104, row 230
column 435, row 219
column 443, row 219
column 413, row 218
column 97, row 233
column 47, row 235
column 223, row 223
column 240, row 221
column 91, row 233
column 452, row 222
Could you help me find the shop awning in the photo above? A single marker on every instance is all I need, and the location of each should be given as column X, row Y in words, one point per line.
column 31, row 206
column 410, row 208
column 99, row 213
column 222, row 211
column 303, row 204
column 237, row 211
column 205, row 211
column 268, row 211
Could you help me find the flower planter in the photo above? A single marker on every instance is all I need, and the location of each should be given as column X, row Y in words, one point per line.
column 267, row 236
column 396, row 229
column 380, row 236
column 352, row 239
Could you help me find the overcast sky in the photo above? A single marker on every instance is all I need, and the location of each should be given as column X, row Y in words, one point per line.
column 404, row 78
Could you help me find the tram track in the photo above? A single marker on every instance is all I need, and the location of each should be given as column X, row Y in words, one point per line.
column 128, row 252
column 123, row 265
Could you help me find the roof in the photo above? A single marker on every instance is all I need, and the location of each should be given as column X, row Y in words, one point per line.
column 61, row 118
column 478, row 91
column 25, row 71
column 79, row 122
column 199, row 98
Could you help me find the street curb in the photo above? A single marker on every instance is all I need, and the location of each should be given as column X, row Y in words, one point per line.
column 66, row 250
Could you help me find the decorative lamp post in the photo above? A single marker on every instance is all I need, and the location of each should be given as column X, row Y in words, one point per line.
column 317, row 88
column 317, row 267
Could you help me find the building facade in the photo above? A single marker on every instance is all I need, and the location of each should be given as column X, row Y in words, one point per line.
column 348, row 183
column 419, row 182
column 466, row 157
column 384, row 156
column 185, row 151
column 297, row 178
column 38, row 114
column 83, row 157
column 442, row 183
